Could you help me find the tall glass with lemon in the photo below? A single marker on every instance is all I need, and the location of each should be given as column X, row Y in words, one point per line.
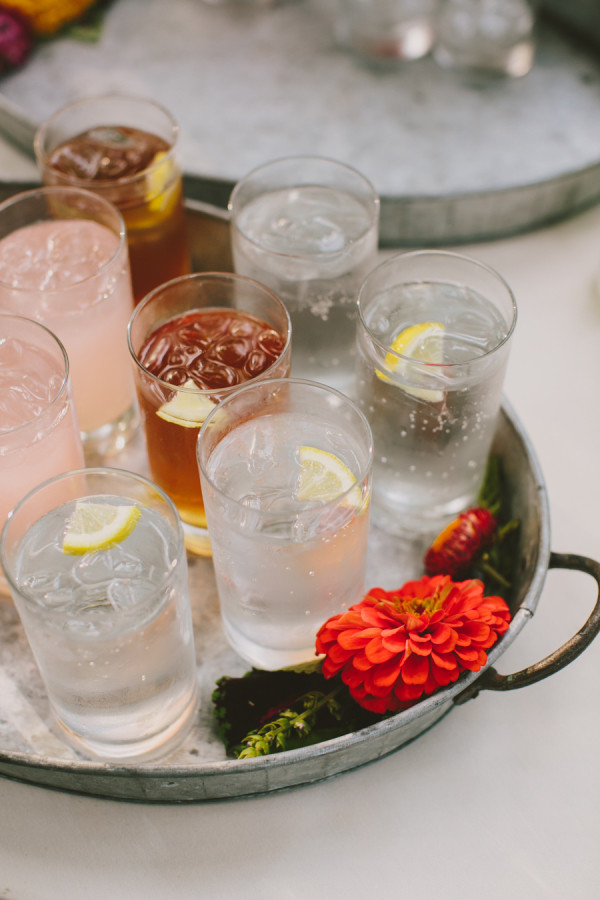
column 433, row 342
column 96, row 565
column 285, row 467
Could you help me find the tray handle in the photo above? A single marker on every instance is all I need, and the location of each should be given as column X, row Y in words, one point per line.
column 491, row 680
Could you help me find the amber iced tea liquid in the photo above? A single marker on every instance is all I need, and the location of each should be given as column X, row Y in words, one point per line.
column 196, row 358
column 133, row 166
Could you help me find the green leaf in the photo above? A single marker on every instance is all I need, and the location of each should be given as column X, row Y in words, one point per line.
column 490, row 494
column 267, row 712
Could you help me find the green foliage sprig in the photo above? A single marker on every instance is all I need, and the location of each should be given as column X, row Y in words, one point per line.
column 277, row 735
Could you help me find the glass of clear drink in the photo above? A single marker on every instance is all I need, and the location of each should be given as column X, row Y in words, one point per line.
column 193, row 341
column 63, row 261
column 490, row 38
column 124, row 149
column 433, row 341
column 308, row 228
column 39, row 436
column 386, row 32
column 285, row 467
column 96, row 565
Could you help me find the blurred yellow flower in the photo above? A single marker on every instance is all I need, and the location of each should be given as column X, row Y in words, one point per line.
column 49, row 16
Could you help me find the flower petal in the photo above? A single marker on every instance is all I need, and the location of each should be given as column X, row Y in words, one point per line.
column 421, row 648
column 377, row 652
column 414, row 669
column 354, row 639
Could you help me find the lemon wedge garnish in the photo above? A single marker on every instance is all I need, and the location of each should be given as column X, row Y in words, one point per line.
column 422, row 342
column 188, row 408
column 323, row 476
column 160, row 174
column 95, row 526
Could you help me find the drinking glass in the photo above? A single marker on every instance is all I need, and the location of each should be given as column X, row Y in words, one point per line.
column 63, row 261
column 124, row 148
column 308, row 228
column 386, row 32
column 195, row 367
column 39, row 436
column 433, row 340
column 110, row 629
column 487, row 37
column 287, row 554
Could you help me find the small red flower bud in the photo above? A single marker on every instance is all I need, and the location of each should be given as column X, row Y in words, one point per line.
column 461, row 542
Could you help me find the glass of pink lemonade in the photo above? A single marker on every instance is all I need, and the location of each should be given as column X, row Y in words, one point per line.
column 64, row 262
column 39, row 437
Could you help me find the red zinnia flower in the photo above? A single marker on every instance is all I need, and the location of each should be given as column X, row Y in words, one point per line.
column 395, row 646
column 461, row 542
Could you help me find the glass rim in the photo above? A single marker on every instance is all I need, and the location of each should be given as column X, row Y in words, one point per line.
column 42, row 155
column 212, row 277
column 365, row 470
column 73, row 191
column 85, row 471
column 423, row 364
column 64, row 386
column 373, row 207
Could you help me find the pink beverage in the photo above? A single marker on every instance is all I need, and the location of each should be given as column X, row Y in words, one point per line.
column 39, row 437
column 71, row 272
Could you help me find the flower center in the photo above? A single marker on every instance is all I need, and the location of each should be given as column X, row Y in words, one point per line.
column 418, row 606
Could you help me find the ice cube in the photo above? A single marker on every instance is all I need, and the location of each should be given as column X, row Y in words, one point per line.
column 124, row 595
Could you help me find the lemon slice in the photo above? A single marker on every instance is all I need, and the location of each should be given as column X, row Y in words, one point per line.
column 188, row 408
column 422, row 342
column 159, row 175
column 324, row 477
column 94, row 526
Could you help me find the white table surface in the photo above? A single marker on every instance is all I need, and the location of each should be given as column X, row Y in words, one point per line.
column 500, row 800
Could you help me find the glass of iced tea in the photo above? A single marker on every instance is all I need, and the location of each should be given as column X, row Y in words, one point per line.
column 194, row 341
column 64, row 262
column 123, row 148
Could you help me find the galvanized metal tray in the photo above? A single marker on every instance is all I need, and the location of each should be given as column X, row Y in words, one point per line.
column 32, row 751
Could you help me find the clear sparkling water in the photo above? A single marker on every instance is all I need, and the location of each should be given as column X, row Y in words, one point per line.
column 112, row 634
column 313, row 246
column 304, row 221
column 282, row 566
column 432, row 429
column 493, row 35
